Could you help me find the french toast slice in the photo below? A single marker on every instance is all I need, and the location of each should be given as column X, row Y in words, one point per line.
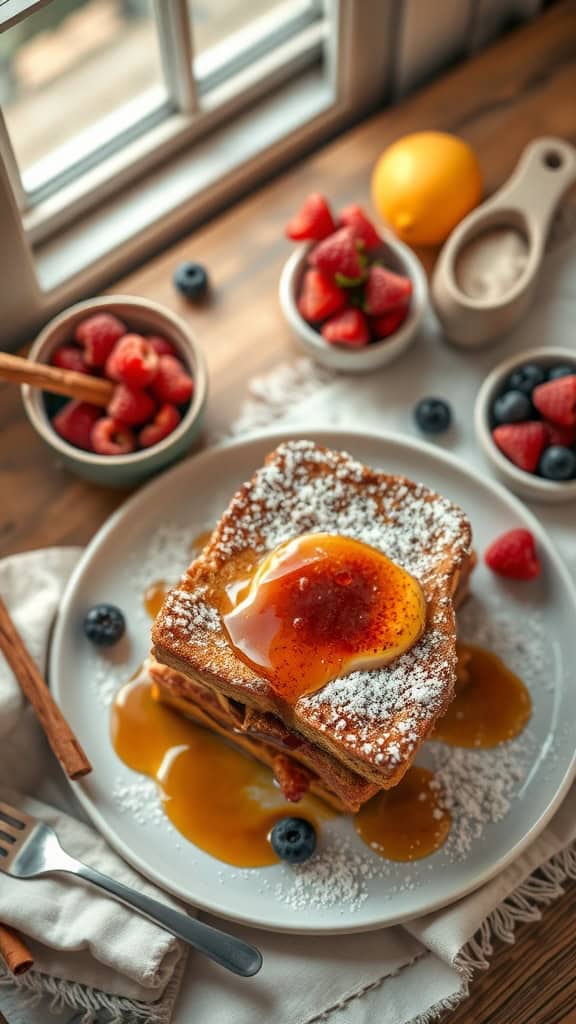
column 372, row 722
column 265, row 737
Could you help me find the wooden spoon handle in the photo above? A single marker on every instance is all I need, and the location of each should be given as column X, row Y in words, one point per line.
column 52, row 378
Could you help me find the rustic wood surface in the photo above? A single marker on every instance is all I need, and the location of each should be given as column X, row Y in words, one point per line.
column 523, row 87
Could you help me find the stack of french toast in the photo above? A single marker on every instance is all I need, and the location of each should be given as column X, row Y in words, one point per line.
column 359, row 731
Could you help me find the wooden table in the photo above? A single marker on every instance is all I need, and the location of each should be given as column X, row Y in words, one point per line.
column 523, row 87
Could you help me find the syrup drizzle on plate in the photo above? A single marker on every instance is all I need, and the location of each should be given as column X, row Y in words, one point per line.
column 230, row 816
column 217, row 797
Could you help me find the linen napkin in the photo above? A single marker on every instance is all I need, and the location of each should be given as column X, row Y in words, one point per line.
column 90, row 952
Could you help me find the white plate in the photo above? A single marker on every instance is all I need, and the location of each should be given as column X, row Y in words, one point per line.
column 192, row 496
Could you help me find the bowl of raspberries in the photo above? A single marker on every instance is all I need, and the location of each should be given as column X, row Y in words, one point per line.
column 353, row 296
column 525, row 420
column 156, row 408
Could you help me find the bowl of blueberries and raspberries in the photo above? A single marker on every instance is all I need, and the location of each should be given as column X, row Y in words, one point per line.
column 159, row 380
column 525, row 419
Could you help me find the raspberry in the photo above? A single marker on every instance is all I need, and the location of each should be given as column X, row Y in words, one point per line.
column 165, row 421
column 556, row 400
column 132, row 361
column 354, row 217
column 131, row 406
column 319, row 296
column 75, row 421
column 347, row 328
column 172, row 383
column 98, row 334
column 522, row 443
column 69, row 357
column 110, row 437
column 313, row 222
column 514, row 555
column 161, row 345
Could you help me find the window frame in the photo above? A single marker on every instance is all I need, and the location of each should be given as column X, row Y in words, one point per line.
column 51, row 231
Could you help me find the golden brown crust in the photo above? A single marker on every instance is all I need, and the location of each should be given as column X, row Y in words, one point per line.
column 370, row 722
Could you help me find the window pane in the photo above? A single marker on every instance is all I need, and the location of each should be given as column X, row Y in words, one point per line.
column 75, row 75
column 213, row 20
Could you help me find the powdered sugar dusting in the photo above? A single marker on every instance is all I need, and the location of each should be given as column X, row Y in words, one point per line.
column 140, row 799
column 303, row 488
column 336, row 876
column 476, row 787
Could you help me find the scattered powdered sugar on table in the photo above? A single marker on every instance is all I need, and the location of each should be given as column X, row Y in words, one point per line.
column 272, row 395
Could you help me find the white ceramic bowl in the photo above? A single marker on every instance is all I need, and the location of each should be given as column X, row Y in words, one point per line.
column 535, row 488
column 398, row 257
column 139, row 315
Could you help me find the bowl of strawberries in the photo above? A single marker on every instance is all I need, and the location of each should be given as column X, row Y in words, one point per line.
column 525, row 419
column 158, row 389
column 353, row 296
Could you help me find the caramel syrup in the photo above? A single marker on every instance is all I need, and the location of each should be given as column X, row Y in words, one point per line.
column 199, row 541
column 156, row 592
column 491, row 704
column 320, row 606
column 154, row 597
column 407, row 822
column 219, row 798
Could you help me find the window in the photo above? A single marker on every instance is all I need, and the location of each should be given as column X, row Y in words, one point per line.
column 122, row 122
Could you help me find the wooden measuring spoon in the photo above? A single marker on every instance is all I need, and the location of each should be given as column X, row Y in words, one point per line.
column 485, row 276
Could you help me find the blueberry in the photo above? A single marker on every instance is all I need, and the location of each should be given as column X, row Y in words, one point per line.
column 433, row 415
column 558, row 463
column 191, row 280
column 293, row 839
column 561, row 371
column 512, row 407
column 525, row 378
column 104, row 625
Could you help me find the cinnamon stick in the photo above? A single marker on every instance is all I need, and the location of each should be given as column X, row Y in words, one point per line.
column 51, row 378
column 14, row 951
column 58, row 733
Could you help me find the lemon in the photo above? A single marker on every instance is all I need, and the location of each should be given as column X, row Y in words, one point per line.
column 424, row 184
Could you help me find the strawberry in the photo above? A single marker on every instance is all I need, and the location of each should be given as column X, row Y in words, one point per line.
column 514, row 555
column 384, row 326
column 165, row 421
column 172, row 382
column 341, row 256
column 131, row 406
column 556, row 400
column 293, row 778
column 313, row 222
column 385, row 291
column 69, row 357
column 522, row 443
column 563, row 436
column 75, row 421
column 111, row 437
column 319, row 296
column 161, row 345
column 98, row 334
column 347, row 328
column 132, row 361
column 354, row 217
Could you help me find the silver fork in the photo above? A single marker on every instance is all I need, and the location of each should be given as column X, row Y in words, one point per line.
column 29, row 849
